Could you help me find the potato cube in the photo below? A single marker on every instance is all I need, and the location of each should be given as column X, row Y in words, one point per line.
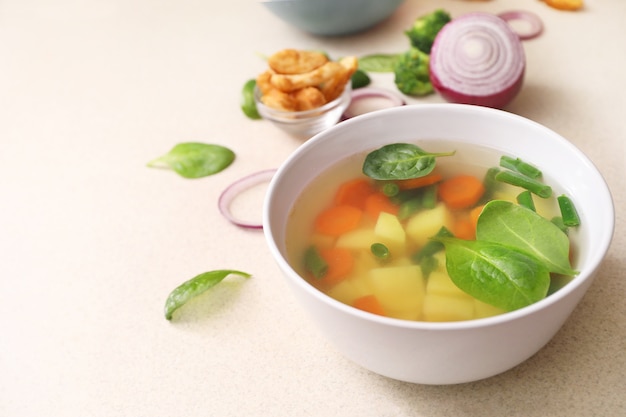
column 486, row 310
column 441, row 261
column 447, row 308
column 357, row 239
column 426, row 223
column 440, row 283
column 349, row 290
column 400, row 290
column 389, row 231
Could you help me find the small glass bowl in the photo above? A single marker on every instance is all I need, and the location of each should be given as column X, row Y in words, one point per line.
column 309, row 122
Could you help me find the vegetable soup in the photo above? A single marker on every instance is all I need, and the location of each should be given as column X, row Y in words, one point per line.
column 463, row 238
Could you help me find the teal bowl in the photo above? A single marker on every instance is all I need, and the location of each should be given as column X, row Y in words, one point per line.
column 332, row 17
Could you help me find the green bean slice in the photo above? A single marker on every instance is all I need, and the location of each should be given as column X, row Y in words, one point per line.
column 516, row 164
column 569, row 214
column 521, row 180
column 314, row 263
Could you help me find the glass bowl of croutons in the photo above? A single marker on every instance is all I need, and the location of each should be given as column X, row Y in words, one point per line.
column 304, row 92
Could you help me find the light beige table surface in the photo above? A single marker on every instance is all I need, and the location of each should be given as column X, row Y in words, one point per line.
column 92, row 241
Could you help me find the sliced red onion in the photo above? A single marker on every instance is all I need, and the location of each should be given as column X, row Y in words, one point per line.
column 391, row 99
column 236, row 188
column 534, row 22
column 477, row 59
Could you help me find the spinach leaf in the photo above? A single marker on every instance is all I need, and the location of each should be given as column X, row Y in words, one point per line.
column 518, row 227
column 248, row 105
column 195, row 160
column 378, row 62
column 400, row 161
column 196, row 286
column 360, row 79
column 494, row 273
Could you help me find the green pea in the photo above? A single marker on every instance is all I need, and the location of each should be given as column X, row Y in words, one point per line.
column 380, row 251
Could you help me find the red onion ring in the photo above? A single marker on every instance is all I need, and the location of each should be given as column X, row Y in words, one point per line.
column 536, row 25
column 233, row 190
column 477, row 59
column 372, row 92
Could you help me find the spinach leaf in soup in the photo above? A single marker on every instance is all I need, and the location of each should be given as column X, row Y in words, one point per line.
column 523, row 229
column 494, row 273
column 400, row 161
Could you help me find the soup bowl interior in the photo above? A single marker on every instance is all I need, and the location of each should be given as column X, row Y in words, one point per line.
column 449, row 352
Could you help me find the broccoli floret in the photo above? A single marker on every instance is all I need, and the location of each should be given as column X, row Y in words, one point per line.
column 412, row 75
column 425, row 28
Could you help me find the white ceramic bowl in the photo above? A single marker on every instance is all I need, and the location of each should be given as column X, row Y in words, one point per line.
column 452, row 352
column 307, row 123
column 332, row 17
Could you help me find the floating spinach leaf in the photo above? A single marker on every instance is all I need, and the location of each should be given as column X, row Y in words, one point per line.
column 495, row 274
column 196, row 286
column 518, row 227
column 195, row 160
column 378, row 62
column 400, row 161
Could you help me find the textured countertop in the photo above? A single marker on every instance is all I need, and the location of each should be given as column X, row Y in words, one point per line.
column 92, row 241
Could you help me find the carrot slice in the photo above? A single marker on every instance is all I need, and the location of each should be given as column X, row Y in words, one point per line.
column 354, row 192
column 464, row 228
column 338, row 220
column 379, row 202
column 340, row 263
column 370, row 304
column 424, row 181
column 461, row 191
column 565, row 4
column 474, row 213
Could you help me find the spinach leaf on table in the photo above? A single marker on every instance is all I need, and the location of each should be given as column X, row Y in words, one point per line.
column 196, row 286
column 195, row 160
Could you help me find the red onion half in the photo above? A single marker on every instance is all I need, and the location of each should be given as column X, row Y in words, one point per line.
column 477, row 59
column 233, row 190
